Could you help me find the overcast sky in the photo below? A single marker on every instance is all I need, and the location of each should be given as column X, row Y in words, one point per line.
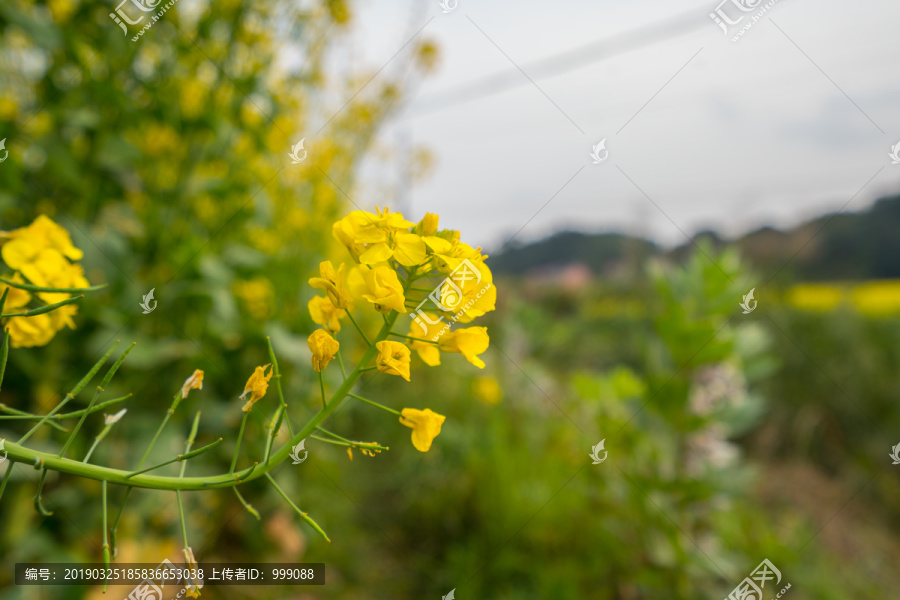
column 793, row 120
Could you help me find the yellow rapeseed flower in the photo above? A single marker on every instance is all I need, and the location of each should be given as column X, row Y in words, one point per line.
column 256, row 386
column 384, row 289
column 323, row 348
column 426, row 425
column 326, row 314
column 334, row 283
column 393, row 359
column 428, row 352
column 469, row 342
column 373, row 238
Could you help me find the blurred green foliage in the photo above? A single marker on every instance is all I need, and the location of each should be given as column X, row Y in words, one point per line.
column 731, row 438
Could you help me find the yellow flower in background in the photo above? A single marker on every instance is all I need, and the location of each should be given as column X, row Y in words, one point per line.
column 428, row 352
column 877, row 298
column 27, row 242
column 393, row 359
column 194, row 382
column 323, row 348
column 17, row 298
column 426, row 425
column 27, row 332
column 326, row 314
column 334, row 283
column 41, row 252
column 814, row 296
column 256, row 386
column 469, row 342
column 384, row 289
column 258, row 296
column 487, row 390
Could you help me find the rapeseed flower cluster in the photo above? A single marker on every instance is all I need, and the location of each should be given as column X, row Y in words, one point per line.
column 391, row 258
column 41, row 254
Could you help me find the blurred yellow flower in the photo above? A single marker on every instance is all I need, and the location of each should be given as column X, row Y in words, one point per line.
column 192, row 97
column 393, row 359
column 877, row 298
column 326, row 314
column 469, row 342
column 334, row 283
column 258, row 296
column 256, row 386
column 426, row 426
column 41, row 252
column 43, row 233
column 488, row 390
column 814, row 296
column 27, row 332
column 323, row 348
column 384, row 289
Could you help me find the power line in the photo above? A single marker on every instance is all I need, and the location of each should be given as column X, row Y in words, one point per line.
column 563, row 62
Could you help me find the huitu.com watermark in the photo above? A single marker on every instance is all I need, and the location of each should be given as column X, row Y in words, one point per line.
column 123, row 19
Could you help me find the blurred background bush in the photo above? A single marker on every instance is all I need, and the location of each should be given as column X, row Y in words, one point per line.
column 731, row 438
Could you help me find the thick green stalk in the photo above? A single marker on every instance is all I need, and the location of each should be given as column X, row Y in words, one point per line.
column 120, row 477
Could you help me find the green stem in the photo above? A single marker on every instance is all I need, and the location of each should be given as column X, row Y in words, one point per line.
column 237, row 447
column 33, row 312
column 97, row 441
column 367, row 445
column 105, row 535
column 415, row 339
column 6, row 477
column 21, row 415
column 106, row 379
column 381, row 406
column 25, row 416
column 75, row 391
column 277, row 373
column 37, row 288
column 322, row 387
column 341, row 363
column 38, row 505
column 302, row 514
column 247, row 505
column 274, row 427
column 352, row 320
column 120, row 477
column 180, row 458
column 169, row 412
